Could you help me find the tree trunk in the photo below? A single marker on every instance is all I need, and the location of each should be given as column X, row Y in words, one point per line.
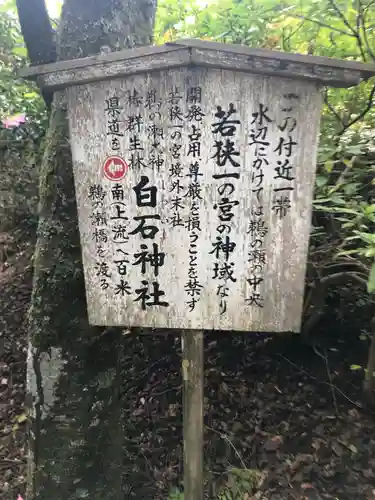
column 74, row 387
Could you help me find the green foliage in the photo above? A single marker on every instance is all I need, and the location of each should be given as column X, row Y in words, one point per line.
column 344, row 195
column 19, row 146
column 176, row 494
column 16, row 95
column 241, row 484
column 344, row 29
column 371, row 281
column 229, row 21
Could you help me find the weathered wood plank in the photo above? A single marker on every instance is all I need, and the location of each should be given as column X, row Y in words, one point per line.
column 82, row 62
column 275, row 66
column 280, row 257
column 274, row 54
column 119, row 68
column 192, row 373
column 324, row 70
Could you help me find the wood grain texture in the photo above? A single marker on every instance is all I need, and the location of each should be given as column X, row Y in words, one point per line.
column 272, row 54
column 271, row 64
column 286, row 241
column 193, row 382
column 325, row 70
column 114, row 56
column 129, row 66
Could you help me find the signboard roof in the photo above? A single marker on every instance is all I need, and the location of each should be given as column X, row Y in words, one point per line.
column 195, row 53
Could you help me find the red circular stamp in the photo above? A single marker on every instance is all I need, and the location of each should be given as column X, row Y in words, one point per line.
column 115, row 168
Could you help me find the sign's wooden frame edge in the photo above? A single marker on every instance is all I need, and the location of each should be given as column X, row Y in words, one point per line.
column 199, row 53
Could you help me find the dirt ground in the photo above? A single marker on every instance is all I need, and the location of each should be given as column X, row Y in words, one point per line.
column 15, row 286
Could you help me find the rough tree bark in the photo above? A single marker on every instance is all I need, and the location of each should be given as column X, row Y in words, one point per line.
column 33, row 17
column 73, row 388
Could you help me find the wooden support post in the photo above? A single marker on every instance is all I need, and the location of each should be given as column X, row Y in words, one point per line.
column 192, row 372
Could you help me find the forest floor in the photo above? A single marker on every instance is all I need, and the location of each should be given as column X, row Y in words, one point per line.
column 15, row 287
column 287, row 418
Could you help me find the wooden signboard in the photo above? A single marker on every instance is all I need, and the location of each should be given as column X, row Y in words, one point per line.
column 194, row 168
column 194, row 193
